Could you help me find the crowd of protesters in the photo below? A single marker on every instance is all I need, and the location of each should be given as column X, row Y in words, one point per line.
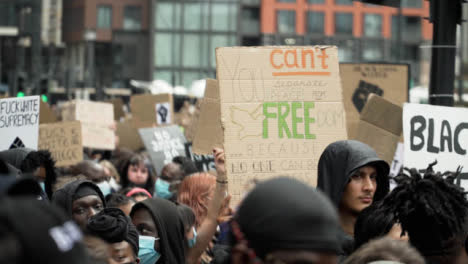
column 113, row 208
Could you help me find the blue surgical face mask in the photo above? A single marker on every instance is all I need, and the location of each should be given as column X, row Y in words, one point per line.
column 162, row 189
column 147, row 253
column 105, row 188
column 193, row 241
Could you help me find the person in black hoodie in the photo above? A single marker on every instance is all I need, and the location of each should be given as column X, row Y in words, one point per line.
column 161, row 230
column 81, row 199
column 38, row 163
column 352, row 175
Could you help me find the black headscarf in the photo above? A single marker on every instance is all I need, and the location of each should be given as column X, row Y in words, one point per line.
column 340, row 160
column 113, row 226
column 65, row 196
column 284, row 213
column 170, row 228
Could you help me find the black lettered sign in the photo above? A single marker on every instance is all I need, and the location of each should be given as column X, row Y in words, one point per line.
column 436, row 133
column 163, row 144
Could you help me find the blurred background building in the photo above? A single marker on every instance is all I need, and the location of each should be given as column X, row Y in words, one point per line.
column 57, row 45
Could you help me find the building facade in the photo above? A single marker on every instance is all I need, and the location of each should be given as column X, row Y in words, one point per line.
column 362, row 32
column 107, row 42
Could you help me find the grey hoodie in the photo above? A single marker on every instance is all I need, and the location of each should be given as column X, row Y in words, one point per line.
column 337, row 164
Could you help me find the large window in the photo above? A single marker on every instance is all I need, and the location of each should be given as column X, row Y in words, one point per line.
column 344, row 23
column 316, row 1
column 104, row 17
column 132, row 18
column 186, row 33
column 223, row 17
column 193, row 16
column 372, row 25
column 315, row 22
column 344, row 2
column 167, row 15
column 286, row 20
column 410, row 28
column 286, row 1
column 250, row 21
column 411, row 3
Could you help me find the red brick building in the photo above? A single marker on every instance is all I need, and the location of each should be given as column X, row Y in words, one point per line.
column 361, row 31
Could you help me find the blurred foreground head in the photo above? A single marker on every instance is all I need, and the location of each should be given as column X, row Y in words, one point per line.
column 285, row 220
column 386, row 250
column 32, row 231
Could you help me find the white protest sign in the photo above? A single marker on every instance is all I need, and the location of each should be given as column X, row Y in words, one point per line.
column 436, row 133
column 163, row 114
column 397, row 162
column 19, row 122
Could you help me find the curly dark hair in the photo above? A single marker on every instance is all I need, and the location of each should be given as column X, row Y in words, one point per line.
column 432, row 209
column 34, row 160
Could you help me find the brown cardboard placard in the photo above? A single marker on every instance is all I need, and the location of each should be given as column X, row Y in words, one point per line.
column 63, row 140
column 380, row 126
column 157, row 109
column 127, row 132
column 390, row 81
column 96, row 118
column 187, row 118
column 46, row 115
column 280, row 107
column 209, row 133
column 118, row 105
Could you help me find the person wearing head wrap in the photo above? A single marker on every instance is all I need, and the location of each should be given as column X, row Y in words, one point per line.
column 284, row 221
column 161, row 230
column 80, row 199
column 114, row 227
column 32, row 231
column 352, row 175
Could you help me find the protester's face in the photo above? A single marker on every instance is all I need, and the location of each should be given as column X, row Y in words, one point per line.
column 126, row 208
column 40, row 173
column 395, row 233
column 122, row 253
column 359, row 192
column 137, row 174
column 145, row 225
column 84, row 208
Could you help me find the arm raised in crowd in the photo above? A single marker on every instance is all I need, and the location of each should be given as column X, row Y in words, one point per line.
column 207, row 228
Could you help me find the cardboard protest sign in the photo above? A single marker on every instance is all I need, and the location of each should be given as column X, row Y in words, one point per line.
column 280, row 108
column 127, row 131
column 209, row 132
column 46, row 115
column 203, row 162
column 118, row 105
column 63, row 140
column 163, row 144
column 153, row 108
column 96, row 118
column 380, row 126
column 436, row 133
column 19, row 122
column 390, row 81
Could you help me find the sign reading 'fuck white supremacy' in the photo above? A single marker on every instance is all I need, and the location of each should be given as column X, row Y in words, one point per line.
column 19, row 122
